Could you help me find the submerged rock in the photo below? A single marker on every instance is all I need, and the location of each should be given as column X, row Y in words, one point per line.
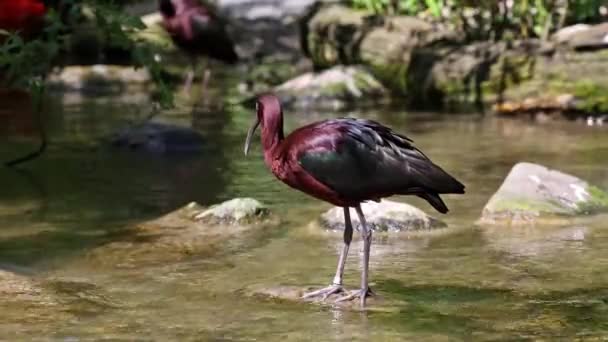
column 192, row 229
column 159, row 138
column 335, row 88
column 238, row 210
column 25, row 301
column 532, row 193
column 14, row 287
column 385, row 216
column 99, row 78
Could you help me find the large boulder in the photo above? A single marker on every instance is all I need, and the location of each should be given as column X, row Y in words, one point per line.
column 434, row 67
column 339, row 87
column 192, row 229
column 568, row 84
column 336, row 34
column 532, row 193
column 263, row 9
column 583, row 37
column 383, row 216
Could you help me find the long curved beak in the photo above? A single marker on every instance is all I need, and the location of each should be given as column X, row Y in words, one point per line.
column 252, row 129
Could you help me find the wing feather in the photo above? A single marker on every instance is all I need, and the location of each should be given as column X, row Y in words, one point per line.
column 365, row 160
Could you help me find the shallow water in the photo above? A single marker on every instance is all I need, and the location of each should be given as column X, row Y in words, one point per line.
column 468, row 282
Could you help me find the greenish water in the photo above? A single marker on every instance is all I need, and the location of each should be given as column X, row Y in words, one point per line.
column 469, row 283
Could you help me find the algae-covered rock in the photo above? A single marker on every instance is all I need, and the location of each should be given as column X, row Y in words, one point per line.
column 332, row 34
column 192, row 229
column 234, row 211
column 335, row 88
column 567, row 85
column 432, row 67
column 336, row 34
column 532, row 193
column 383, row 216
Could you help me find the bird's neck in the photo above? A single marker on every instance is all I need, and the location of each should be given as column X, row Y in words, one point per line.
column 272, row 136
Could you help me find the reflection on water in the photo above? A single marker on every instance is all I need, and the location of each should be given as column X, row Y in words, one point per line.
column 469, row 283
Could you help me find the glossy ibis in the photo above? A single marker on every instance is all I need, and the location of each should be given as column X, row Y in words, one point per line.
column 346, row 162
column 197, row 30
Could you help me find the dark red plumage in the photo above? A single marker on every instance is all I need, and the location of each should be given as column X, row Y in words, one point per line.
column 345, row 162
column 197, row 30
column 348, row 161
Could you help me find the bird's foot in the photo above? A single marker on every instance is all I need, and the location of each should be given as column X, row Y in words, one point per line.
column 324, row 292
column 362, row 294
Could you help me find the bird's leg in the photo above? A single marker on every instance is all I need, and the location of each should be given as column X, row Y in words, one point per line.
column 366, row 236
column 189, row 77
column 336, row 285
column 206, row 76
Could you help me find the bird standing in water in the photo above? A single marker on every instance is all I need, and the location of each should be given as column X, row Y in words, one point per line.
column 198, row 31
column 346, row 162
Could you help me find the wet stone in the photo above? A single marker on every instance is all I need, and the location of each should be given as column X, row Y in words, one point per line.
column 583, row 37
column 336, row 88
column 99, row 78
column 238, row 210
column 14, row 287
column 383, row 216
column 24, row 301
column 190, row 230
column 532, row 193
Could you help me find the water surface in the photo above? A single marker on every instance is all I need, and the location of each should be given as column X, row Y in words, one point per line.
column 467, row 283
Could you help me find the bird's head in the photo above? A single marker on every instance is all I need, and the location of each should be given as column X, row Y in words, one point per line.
column 268, row 114
column 166, row 7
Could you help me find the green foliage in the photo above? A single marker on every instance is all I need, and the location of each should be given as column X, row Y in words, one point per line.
column 23, row 61
column 485, row 19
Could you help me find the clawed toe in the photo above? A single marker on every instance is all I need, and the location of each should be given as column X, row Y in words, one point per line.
column 324, row 292
column 361, row 294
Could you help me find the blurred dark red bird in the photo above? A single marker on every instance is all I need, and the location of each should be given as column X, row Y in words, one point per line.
column 198, row 31
column 346, row 162
column 23, row 16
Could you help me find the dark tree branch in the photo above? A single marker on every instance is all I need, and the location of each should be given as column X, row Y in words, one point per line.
column 37, row 116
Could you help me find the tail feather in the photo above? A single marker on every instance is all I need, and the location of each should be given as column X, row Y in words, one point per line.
column 435, row 201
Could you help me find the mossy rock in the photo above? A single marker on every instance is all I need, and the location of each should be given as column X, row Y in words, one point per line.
column 340, row 87
column 190, row 230
column 543, row 83
column 234, row 211
column 332, row 35
column 534, row 194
